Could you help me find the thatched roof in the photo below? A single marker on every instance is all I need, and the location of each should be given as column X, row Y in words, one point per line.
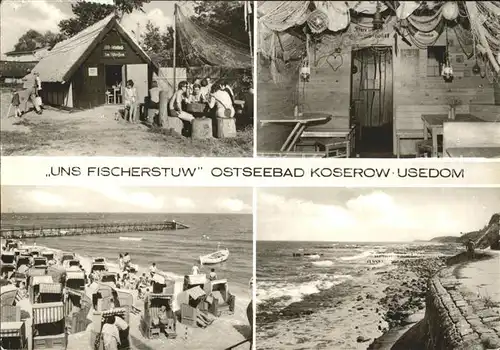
column 14, row 69
column 67, row 56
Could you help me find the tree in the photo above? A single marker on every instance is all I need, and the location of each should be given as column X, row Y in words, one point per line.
column 226, row 17
column 88, row 13
column 32, row 40
column 159, row 45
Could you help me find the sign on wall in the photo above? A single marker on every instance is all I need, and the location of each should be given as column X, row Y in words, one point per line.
column 113, row 51
column 93, row 72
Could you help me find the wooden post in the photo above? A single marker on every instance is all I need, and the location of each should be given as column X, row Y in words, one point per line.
column 175, row 45
column 163, row 111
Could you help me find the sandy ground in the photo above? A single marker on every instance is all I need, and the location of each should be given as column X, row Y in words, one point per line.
column 95, row 133
column 483, row 277
column 224, row 332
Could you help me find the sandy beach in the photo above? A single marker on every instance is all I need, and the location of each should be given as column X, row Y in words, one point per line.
column 224, row 332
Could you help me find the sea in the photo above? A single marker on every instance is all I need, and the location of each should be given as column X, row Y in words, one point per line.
column 173, row 251
column 283, row 279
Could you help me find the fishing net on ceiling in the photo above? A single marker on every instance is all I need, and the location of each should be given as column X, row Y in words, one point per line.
column 484, row 17
column 207, row 47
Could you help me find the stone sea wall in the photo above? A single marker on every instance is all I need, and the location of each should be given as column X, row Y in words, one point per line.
column 454, row 317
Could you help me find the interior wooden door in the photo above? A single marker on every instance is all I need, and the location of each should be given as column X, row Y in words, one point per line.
column 138, row 73
column 371, row 98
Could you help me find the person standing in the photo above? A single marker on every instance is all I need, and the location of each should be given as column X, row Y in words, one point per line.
column 38, row 89
column 16, row 102
column 154, row 96
column 152, row 270
column 130, row 100
column 470, row 249
column 195, row 270
column 222, row 101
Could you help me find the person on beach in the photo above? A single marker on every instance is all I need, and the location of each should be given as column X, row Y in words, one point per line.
column 126, row 261
column 470, row 249
column 212, row 276
column 152, row 269
column 164, row 318
column 176, row 102
column 195, row 270
column 22, row 290
column 110, row 334
column 120, row 262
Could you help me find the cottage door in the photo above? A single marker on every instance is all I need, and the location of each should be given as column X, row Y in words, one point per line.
column 138, row 73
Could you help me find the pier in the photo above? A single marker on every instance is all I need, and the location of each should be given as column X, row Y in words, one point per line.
column 38, row 231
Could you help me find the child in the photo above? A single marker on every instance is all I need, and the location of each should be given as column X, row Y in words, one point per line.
column 131, row 101
column 16, row 102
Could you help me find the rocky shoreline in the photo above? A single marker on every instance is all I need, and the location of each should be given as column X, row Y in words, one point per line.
column 360, row 313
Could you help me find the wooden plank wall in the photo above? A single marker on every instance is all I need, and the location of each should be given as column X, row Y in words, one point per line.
column 490, row 113
column 414, row 93
column 55, row 94
column 275, row 101
column 328, row 90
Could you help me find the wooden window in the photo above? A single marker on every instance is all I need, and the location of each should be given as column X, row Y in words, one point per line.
column 435, row 60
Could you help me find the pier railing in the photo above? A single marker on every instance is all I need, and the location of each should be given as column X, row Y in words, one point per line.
column 87, row 229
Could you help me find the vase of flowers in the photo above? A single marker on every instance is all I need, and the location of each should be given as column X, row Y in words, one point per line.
column 453, row 103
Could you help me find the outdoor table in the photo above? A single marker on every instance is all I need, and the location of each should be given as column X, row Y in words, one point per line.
column 474, row 152
column 299, row 125
column 433, row 123
column 197, row 109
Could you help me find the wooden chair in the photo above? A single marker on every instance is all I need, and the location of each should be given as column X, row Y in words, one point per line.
column 424, row 148
column 407, row 134
column 110, row 99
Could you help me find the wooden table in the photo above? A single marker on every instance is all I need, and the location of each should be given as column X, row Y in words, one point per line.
column 433, row 123
column 474, row 152
column 197, row 109
column 299, row 125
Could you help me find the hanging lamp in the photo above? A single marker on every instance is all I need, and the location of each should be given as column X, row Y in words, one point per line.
column 447, row 72
column 378, row 21
column 475, row 69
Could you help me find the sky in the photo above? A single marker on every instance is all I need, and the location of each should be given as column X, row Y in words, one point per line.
column 372, row 215
column 18, row 16
column 26, row 199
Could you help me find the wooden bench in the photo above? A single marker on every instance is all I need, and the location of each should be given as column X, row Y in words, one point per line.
column 407, row 134
column 332, row 143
